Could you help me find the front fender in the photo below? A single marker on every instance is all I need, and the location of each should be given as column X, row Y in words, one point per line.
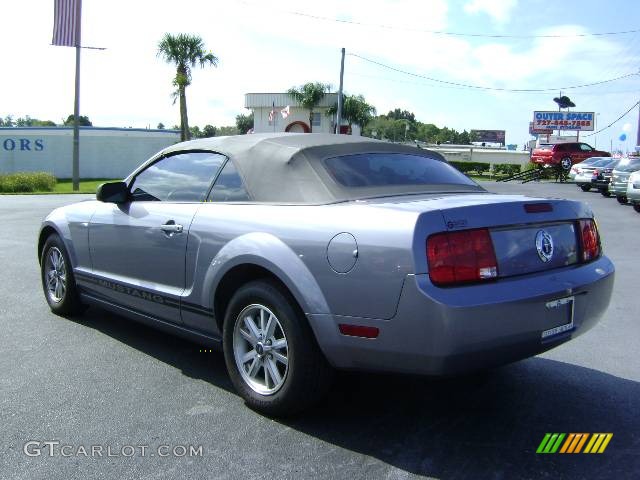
column 271, row 253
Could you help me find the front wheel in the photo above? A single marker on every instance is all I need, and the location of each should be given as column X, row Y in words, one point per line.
column 636, row 207
column 585, row 188
column 621, row 199
column 271, row 354
column 605, row 193
column 58, row 282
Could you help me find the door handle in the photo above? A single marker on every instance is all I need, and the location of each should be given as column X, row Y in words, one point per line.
column 171, row 228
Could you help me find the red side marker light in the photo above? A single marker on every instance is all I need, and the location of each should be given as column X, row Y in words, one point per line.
column 358, row 331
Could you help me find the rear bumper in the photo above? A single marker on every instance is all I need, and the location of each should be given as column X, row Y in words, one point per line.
column 440, row 331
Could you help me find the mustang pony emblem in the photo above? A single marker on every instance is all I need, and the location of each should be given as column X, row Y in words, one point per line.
column 544, row 245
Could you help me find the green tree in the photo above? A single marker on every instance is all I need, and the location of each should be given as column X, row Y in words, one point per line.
column 185, row 52
column 83, row 121
column 7, row 121
column 209, row 131
column 228, row 130
column 244, row 123
column 194, row 132
column 355, row 109
column 398, row 114
column 309, row 96
column 160, row 126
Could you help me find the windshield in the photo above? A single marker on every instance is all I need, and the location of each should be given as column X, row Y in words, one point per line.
column 630, row 166
column 390, row 169
column 605, row 162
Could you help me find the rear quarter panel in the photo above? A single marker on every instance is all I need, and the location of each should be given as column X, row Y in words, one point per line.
column 293, row 241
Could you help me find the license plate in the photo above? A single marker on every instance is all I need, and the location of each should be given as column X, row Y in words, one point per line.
column 565, row 304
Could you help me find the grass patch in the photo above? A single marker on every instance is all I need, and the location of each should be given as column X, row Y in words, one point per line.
column 27, row 182
column 90, row 185
column 45, row 183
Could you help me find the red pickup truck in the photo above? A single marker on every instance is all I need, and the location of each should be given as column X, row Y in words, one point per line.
column 564, row 154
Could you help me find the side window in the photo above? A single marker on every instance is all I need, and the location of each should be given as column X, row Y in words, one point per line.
column 585, row 147
column 316, row 120
column 228, row 186
column 185, row 177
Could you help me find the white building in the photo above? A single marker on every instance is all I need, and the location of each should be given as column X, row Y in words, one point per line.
column 298, row 118
column 104, row 152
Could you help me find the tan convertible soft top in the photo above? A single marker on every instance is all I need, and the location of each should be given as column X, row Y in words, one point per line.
column 287, row 167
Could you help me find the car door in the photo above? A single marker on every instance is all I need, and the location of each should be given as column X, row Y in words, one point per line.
column 138, row 247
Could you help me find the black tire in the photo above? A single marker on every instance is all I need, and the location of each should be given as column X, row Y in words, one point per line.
column 605, row 193
column 621, row 199
column 636, row 207
column 308, row 375
column 68, row 302
column 566, row 164
column 585, row 188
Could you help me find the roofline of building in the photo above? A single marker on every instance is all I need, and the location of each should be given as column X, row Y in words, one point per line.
column 117, row 129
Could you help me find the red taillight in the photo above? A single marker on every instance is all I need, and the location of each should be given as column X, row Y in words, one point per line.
column 358, row 330
column 461, row 257
column 589, row 239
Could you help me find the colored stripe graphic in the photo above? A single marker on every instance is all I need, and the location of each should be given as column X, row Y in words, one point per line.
column 574, row 442
column 550, row 443
column 598, row 442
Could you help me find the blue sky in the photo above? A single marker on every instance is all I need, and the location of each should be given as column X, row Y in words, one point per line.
column 263, row 47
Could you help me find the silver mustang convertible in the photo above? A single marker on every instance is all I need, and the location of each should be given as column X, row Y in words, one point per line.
column 298, row 254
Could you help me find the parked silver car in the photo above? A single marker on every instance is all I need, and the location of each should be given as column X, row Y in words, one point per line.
column 620, row 178
column 586, row 175
column 578, row 166
column 633, row 190
column 297, row 254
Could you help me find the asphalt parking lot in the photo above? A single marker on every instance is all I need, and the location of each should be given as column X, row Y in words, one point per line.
column 101, row 380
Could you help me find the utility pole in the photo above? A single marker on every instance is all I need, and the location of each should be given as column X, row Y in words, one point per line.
column 638, row 134
column 76, row 104
column 339, row 115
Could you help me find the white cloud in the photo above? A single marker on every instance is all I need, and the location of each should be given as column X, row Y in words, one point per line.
column 498, row 10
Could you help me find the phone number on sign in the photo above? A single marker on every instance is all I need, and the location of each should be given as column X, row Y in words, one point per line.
column 563, row 123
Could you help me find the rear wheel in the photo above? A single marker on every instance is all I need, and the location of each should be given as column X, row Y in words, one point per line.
column 605, row 193
column 585, row 188
column 621, row 199
column 271, row 354
column 58, row 282
column 636, row 207
column 565, row 163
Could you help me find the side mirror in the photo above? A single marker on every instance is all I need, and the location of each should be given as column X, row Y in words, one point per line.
column 113, row 192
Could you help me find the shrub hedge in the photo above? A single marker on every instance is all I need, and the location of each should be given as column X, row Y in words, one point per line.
column 26, row 182
column 480, row 168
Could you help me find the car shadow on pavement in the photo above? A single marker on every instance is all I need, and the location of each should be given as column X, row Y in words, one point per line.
column 175, row 351
column 486, row 425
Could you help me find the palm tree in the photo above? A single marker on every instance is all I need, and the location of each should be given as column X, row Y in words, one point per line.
column 309, row 96
column 355, row 109
column 185, row 51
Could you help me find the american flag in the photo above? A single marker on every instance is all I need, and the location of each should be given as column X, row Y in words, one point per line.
column 66, row 23
column 272, row 113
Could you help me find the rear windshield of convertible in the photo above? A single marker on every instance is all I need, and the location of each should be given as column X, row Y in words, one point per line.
column 388, row 169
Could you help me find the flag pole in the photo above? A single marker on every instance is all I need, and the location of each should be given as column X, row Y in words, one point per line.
column 76, row 103
column 339, row 114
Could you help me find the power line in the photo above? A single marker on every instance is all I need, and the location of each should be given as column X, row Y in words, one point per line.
column 443, row 32
column 615, row 121
column 431, row 85
column 497, row 89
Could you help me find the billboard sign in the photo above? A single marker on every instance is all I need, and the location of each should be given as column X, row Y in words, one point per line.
column 535, row 131
column 583, row 121
column 489, row 136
